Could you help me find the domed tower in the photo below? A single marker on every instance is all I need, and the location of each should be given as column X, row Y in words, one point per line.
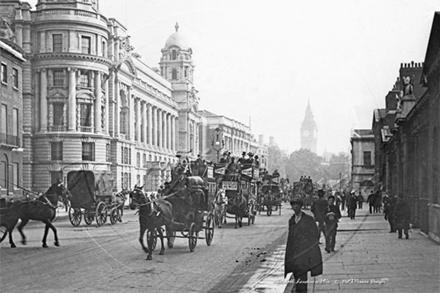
column 176, row 66
column 309, row 131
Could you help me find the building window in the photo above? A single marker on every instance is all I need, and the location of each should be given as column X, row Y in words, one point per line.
column 108, row 153
column 88, row 151
column 57, row 42
column 58, row 77
column 367, row 159
column 58, row 114
column 15, row 174
column 138, row 160
column 15, row 77
column 174, row 74
column 86, row 115
column 144, row 164
column 4, row 122
column 56, row 151
column 104, row 49
column 84, row 79
column 85, row 45
column 4, row 73
column 173, row 55
column 15, row 123
column 54, row 175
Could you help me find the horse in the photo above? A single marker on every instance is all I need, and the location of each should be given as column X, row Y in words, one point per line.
column 41, row 209
column 152, row 216
column 220, row 202
column 238, row 207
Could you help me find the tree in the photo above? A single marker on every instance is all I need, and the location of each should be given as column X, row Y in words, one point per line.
column 304, row 162
column 277, row 160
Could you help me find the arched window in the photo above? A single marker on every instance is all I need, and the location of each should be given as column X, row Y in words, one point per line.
column 173, row 55
column 174, row 74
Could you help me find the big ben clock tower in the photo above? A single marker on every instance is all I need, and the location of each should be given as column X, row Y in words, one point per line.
column 309, row 131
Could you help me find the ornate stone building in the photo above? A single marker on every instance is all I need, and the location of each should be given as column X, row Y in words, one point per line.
column 407, row 134
column 309, row 131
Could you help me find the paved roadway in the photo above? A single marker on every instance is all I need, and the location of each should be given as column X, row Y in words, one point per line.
column 110, row 259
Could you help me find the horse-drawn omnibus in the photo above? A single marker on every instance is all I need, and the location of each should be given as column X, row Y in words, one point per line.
column 92, row 197
column 270, row 195
column 304, row 189
column 241, row 189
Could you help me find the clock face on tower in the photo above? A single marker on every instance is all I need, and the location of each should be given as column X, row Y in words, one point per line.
column 306, row 133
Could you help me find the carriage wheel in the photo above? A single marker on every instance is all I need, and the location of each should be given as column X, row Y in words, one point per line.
column 3, row 233
column 88, row 217
column 171, row 236
column 75, row 216
column 114, row 215
column 151, row 236
column 101, row 213
column 269, row 211
column 209, row 229
column 192, row 237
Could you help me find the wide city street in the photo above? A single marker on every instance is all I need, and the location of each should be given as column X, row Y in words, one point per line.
column 247, row 259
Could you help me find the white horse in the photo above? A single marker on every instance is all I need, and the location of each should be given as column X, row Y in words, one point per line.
column 220, row 203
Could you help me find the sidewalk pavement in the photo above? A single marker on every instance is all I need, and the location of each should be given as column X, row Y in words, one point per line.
column 370, row 259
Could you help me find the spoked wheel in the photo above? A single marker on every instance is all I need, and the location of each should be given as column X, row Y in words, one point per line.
column 88, row 217
column 75, row 216
column 3, row 233
column 171, row 236
column 151, row 236
column 114, row 215
column 101, row 213
column 209, row 229
column 192, row 237
column 269, row 210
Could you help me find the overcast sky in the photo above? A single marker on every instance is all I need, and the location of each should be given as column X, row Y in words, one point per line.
column 262, row 61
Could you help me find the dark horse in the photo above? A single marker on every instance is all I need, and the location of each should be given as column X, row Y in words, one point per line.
column 238, row 207
column 152, row 216
column 41, row 209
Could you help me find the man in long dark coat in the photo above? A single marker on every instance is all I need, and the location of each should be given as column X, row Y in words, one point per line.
column 401, row 216
column 319, row 207
column 302, row 250
column 388, row 210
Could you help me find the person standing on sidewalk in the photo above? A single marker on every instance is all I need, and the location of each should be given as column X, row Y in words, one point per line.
column 333, row 214
column 318, row 208
column 401, row 216
column 360, row 200
column 388, row 210
column 302, row 249
column 371, row 199
column 352, row 205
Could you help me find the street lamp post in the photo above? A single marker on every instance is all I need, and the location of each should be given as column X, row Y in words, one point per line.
column 217, row 141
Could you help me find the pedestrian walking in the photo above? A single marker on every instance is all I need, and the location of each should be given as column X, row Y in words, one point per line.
column 333, row 214
column 401, row 216
column 360, row 200
column 318, row 208
column 388, row 210
column 352, row 205
column 378, row 202
column 343, row 200
column 302, row 250
column 371, row 199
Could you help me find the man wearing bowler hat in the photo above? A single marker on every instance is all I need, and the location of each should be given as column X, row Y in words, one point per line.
column 302, row 250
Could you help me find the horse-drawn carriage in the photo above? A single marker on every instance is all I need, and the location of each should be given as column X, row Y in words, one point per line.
column 270, row 198
column 239, row 186
column 182, row 208
column 92, row 197
column 304, row 189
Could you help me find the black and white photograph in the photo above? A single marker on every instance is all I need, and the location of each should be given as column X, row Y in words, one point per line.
column 243, row 146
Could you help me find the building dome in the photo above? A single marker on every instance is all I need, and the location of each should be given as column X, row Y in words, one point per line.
column 177, row 39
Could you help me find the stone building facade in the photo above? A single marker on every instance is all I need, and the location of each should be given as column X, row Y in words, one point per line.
column 407, row 134
column 362, row 161
column 11, row 113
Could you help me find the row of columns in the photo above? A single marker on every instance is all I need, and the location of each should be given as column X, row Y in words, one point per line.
column 159, row 126
column 72, row 121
